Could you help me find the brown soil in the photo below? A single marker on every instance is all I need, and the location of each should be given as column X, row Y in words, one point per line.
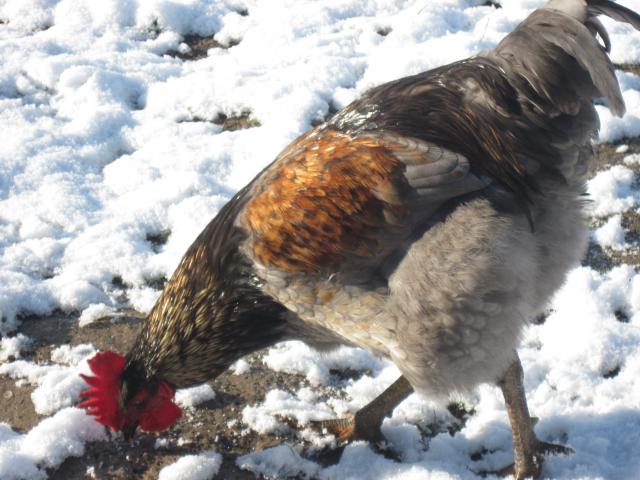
column 199, row 47
column 231, row 123
column 16, row 405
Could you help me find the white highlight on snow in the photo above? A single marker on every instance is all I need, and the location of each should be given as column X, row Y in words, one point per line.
column 611, row 234
column 94, row 312
column 263, row 418
column 161, row 443
column 11, row 347
column 622, row 149
column 279, row 462
column 194, row 396
column 632, row 160
column 296, row 357
column 610, row 191
column 193, row 467
column 240, row 367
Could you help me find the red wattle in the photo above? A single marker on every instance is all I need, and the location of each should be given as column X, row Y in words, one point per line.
column 162, row 412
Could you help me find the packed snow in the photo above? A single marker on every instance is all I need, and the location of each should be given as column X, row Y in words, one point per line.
column 611, row 192
column 279, row 462
column 611, row 234
column 109, row 146
column 193, row 396
column 11, row 347
column 193, row 467
column 240, row 367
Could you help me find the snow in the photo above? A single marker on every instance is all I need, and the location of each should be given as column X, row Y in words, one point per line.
column 611, row 234
column 240, row 367
column 296, row 357
column 161, row 443
column 12, row 346
column 107, row 144
column 610, row 191
column 193, row 396
column 631, row 160
column 193, row 467
column 279, row 462
column 264, row 418
column 94, row 312
column 46, row 445
column 103, row 132
column 622, row 149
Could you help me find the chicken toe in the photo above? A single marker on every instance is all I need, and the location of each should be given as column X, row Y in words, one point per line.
column 365, row 423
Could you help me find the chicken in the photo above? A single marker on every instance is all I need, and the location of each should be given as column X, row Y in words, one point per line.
column 426, row 222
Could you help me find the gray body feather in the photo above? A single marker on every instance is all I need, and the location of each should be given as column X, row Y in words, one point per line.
column 466, row 289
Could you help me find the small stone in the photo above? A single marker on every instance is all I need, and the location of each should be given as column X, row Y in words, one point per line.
column 8, row 394
column 622, row 149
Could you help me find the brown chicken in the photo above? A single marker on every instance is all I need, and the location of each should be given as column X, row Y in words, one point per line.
column 425, row 222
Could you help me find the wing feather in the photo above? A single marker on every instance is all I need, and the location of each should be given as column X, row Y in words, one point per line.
column 333, row 203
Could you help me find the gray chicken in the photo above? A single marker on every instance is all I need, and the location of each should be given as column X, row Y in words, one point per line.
column 426, row 222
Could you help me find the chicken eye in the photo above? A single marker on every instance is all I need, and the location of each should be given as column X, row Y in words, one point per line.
column 139, row 402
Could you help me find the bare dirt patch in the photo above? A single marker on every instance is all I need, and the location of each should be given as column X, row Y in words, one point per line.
column 16, row 405
column 199, row 47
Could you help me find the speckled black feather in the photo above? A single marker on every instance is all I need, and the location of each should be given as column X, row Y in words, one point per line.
column 211, row 311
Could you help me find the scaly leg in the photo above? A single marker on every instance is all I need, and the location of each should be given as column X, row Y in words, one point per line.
column 365, row 423
column 528, row 450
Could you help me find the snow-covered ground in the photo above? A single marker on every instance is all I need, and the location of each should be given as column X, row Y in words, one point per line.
column 108, row 144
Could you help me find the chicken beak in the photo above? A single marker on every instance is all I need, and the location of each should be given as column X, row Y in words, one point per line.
column 129, row 430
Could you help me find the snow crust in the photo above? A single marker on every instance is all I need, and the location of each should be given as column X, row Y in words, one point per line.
column 191, row 397
column 193, row 467
column 240, row 367
column 279, row 462
column 610, row 191
column 108, row 145
column 94, row 312
column 611, row 234
column 11, row 347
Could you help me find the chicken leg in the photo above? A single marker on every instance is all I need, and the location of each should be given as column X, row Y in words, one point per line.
column 528, row 450
column 365, row 423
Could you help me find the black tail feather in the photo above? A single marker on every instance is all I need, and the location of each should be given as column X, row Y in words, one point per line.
column 614, row 11
column 597, row 29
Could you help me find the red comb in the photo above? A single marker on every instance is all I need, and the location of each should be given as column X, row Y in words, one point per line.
column 101, row 399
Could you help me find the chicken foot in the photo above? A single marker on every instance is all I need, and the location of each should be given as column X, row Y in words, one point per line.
column 528, row 450
column 365, row 423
